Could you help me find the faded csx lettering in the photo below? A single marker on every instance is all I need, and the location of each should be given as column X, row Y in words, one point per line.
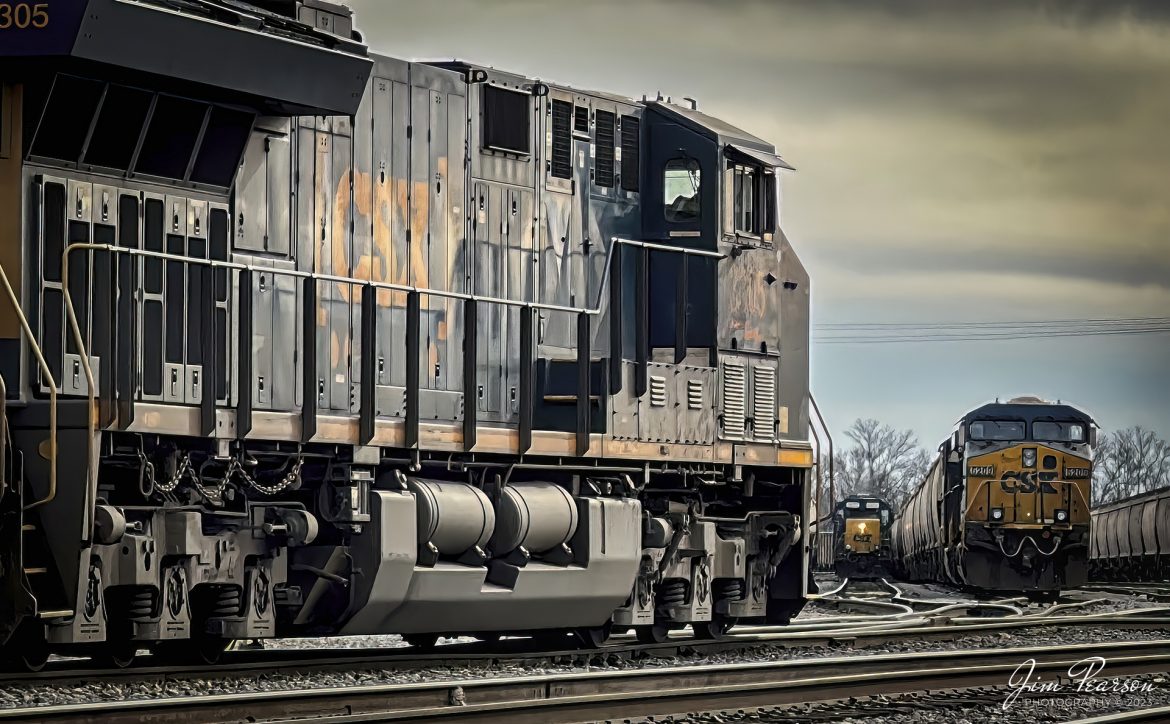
column 1014, row 481
column 862, row 537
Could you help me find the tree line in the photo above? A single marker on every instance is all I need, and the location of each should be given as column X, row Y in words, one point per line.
column 889, row 463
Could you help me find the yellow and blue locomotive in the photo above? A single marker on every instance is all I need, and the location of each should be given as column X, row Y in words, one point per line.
column 1005, row 505
column 861, row 525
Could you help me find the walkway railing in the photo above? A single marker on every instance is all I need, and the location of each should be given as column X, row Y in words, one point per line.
column 369, row 333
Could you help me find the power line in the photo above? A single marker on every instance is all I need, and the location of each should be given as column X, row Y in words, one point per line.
column 998, row 335
column 1084, row 322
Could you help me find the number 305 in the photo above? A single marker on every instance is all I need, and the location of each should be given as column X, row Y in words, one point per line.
column 23, row 15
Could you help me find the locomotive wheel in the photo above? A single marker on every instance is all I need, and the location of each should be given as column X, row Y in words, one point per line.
column 421, row 640
column 714, row 629
column 654, row 634
column 200, row 650
column 27, row 651
column 593, row 637
column 118, row 654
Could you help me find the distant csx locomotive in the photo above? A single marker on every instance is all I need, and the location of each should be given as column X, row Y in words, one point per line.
column 861, row 538
column 1006, row 503
column 299, row 340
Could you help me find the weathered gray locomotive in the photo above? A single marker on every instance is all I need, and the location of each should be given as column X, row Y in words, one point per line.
column 299, row 340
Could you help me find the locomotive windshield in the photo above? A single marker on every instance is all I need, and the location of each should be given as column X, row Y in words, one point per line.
column 997, row 430
column 1058, row 431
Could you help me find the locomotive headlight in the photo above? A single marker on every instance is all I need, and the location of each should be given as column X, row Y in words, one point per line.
column 1029, row 457
column 848, row 547
column 1061, row 515
column 997, row 513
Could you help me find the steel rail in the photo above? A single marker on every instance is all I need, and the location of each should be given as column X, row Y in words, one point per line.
column 857, row 631
column 1154, row 714
column 604, row 694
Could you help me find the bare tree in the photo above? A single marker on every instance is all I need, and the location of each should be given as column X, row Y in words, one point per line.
column 883, row 461
column 1129, row 462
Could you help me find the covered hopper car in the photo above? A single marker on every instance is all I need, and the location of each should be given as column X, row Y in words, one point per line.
column 1131, row 539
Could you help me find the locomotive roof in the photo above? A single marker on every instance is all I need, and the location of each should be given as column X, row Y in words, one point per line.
column 1020, row 410
column 722, row 133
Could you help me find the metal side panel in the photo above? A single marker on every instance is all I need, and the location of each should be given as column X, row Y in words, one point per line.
column 695, row 403
column 361, row 246
column 340, row 334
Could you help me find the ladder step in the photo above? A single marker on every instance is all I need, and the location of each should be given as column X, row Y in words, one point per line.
column 567, row 398
column 35, row 571
column 63, row 613
column 27, row 527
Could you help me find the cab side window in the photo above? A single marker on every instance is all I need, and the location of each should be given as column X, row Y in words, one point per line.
column 753, row 200
column 681, row 183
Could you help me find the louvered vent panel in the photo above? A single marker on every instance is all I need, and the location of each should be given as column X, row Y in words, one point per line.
column 734, row 384
column 604, row 163
column 694, row 394
column 764, row 401
column 657, row 391
column 562, row 139
column 631, row 150
column 581, row 119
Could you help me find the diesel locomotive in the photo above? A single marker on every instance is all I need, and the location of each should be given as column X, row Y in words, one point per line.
column 1005, row 506
column 302, row 340
column 861, row 549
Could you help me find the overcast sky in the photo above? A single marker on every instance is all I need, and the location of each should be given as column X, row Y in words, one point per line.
column 988, row 161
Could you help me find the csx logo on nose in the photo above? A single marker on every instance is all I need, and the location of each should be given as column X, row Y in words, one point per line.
column 862, row 537
column 1016, row 482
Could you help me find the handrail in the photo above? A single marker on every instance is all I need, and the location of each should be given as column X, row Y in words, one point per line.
column 390, row 286
column 829, row 435
column 36, row 350
column 293, row 273
column 83, row 352
column 3, row 435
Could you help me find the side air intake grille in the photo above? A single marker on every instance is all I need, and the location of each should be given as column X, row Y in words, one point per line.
column 657, row 391
column 631, row 142
column 603, row 167
column 562, row 140
column 764, row 401
column 694, row 394
column 581, row 119
column 733, row 400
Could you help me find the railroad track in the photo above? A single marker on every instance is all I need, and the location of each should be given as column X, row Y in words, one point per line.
column 608, row 694
column 863, row 631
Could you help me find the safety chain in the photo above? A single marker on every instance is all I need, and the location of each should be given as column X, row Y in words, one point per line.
column 183, row 470
column 284, row 483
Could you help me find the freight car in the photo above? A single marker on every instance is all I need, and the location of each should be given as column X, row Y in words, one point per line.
column 861, row 540
column 1005, row 506
column 302, row 340
column 1131, row 539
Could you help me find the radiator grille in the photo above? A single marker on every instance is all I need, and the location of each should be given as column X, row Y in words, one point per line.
column 657, row 391
column 733, row 400
column 604, row 163
column 631, row 141
column 694, row 394
column 562, row 140
column 764, row 401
